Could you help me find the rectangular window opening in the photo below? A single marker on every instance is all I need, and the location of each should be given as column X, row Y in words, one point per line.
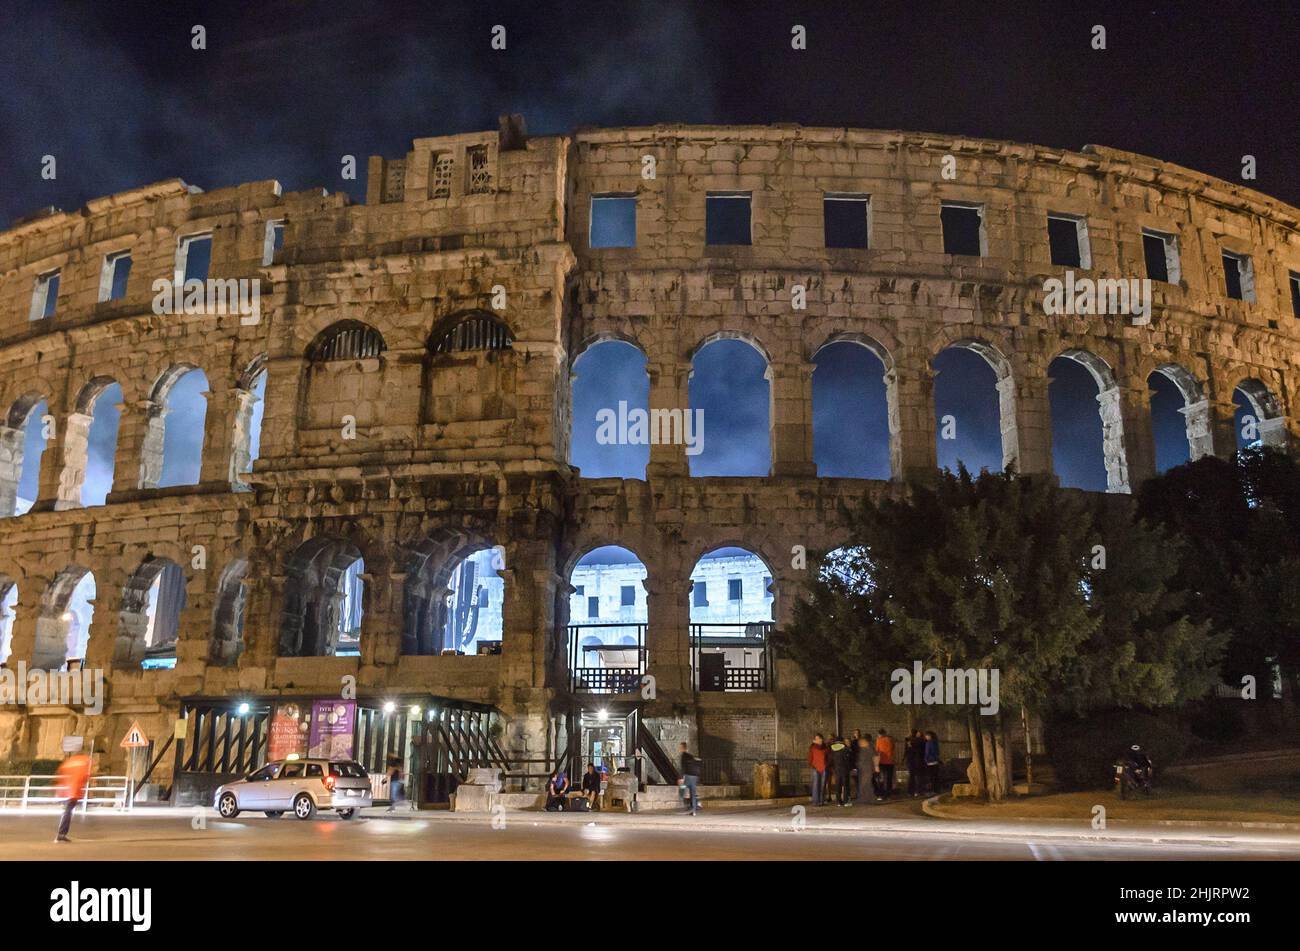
column 1294, row 282
column 1068, row 237
column 613, row 221
column 113, row 280
column 45, row 295
column 627, row 596
column 1161, row 253
column 847, row 220
column 593, row 606
column 963, row 229
column 700, row 594
column 273, row 243
column 735, row 589
column 727, row 218
column 194, row 257
column 1238, row 277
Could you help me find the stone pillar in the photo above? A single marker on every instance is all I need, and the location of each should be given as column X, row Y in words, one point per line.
column 226, row 436
column 1223, row 427
column 792, row 430
column 27, row 611
column 382, row 621
column 53, row 492
column 669, row 389
column 11, row 468
column 139, row 447
column 1273, row 433
column 105, row 622
column 668, row 637
column 910, row 395
column 1200, row 429
column 1026, row 425
column 1112, row 439
column 76, row 455
column 1139, row 446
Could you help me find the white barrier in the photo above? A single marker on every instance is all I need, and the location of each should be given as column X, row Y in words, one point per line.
column 24, row 791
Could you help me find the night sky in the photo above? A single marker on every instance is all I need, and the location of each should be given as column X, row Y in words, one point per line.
column 285, row 89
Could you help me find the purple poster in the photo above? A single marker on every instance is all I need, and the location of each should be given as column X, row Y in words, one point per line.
column 331, row 728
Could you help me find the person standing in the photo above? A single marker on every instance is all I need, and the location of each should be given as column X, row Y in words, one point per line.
column 864, row 759
column 931, row 762
column 853, row 769
column 690, row 780
column 818, row 755
column 885, row 750
column 841, row 763
column 396, row 788
column 914, row 757
column 71, row 781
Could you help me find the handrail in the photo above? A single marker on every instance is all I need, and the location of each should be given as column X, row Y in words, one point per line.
column 115, row 791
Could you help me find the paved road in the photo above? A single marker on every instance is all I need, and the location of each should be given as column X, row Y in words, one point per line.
column 758, row 835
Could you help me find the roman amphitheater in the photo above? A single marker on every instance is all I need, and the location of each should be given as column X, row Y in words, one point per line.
column 401, row 408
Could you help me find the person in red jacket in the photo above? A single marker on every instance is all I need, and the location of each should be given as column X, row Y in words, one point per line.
column 818, row 759
column 885, row 750
column 72, row 778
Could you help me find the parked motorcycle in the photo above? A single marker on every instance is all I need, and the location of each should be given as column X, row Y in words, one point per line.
column 1132, row 778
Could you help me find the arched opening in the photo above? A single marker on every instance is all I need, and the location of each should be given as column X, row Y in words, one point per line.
column 8, row 611
column 22, row 443
column 105, row 408
column 344, row 377
column 1180, row 417
column 324, row 600
column 454, row 598
column 847, row 568
column 469, row 372
column 974, row 405
column 1087, row 425
column 610, row 435
column 730, row 393
column 151, row 616
column 184, row 412
column 228, row 615
column 63, row 626
column 850, row 409
column 731, row 602
column 607, row 621
column 1257, row 419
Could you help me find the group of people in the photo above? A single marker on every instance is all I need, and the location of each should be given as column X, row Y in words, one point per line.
column 558, row 788
column 839, row 764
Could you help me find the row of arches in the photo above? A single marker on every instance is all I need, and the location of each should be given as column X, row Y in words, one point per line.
column 855, row 412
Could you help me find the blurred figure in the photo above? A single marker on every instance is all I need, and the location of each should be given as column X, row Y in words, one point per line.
column 818, row 759
column 841, row 763
column 73, row 776
column 885, row 750
column 932, row 762
column 914, row 758
column 690, row 781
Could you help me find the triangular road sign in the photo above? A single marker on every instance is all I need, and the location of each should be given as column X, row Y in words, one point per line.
column 134, row 737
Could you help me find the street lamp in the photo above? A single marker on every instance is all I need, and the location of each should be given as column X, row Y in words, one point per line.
column 243, row 709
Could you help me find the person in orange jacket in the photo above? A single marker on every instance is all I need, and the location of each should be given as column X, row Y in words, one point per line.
column 72, row 778
column 818, row 759
column 885, row 750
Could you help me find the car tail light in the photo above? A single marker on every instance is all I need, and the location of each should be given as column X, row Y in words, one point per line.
column 330, row 781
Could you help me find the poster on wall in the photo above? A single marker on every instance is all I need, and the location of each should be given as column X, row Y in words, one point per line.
column 290, row 724
column 332, row 722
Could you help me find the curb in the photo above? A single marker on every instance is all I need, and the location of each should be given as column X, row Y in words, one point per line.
column 932, row 807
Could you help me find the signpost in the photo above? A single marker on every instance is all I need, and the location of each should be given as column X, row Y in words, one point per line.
column 135, row 740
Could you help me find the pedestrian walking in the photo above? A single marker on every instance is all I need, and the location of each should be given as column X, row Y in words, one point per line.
column 71, row 781
column 931, row 762
column 854, row 774
column 690, row 781
column 818, row 757
column 885, row 750
column 396, row 787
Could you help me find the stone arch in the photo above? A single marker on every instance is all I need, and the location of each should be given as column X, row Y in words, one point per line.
column 732, row 608
column 470, row 331
column 1269, row 423
column 616, row 378
column 1195, row 411
column 90, row 444
column 8, row 605
column 1004, row 384
column 1110, row 413
column 853, row 370
column 346, row 340
column 149, row 622
column 228, row 615
column 19, row 464
column 735, row 382
column 168, row 454
column 63, row 625
column 324, row 599
column 454, row 593
column 343, row 376
column 733, row 548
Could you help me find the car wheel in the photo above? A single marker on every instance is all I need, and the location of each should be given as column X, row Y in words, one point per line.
column 347, row 813
column 274, row 813
column 228, row 805
column 303, row 807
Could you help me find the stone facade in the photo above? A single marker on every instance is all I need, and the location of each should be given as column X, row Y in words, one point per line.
column 459, row 448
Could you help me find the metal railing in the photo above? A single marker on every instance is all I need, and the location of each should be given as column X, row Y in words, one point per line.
column 24, row 791
column 588, row 677
column 709, row 639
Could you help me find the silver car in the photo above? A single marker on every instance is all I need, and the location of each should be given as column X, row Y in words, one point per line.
column 299, row 785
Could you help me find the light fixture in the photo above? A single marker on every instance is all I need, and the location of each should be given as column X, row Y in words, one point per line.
column 389, row 707
column 602, row 715
column 243, row 709
column 415, row 710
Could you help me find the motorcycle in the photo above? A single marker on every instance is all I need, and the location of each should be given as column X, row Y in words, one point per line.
column 1130, row 778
